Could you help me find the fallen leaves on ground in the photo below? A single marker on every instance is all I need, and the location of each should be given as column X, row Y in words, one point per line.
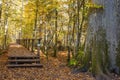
column 54, row 69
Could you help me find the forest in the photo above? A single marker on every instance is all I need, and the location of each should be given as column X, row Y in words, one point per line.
column 70, row 39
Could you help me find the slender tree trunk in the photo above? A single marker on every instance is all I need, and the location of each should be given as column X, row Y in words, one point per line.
column 36, row 17
column 68, row 37
column 77, row 27
column 6, row 27
column 21, row 21
column 0, row 12
column 82, row 22
column 56, row 24
column 73, row 34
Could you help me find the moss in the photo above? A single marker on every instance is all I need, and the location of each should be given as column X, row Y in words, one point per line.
column 118, row 55
column 87, row 57
column 73, row 62
column 98, row 58
column 77, row 61
column 93, row 8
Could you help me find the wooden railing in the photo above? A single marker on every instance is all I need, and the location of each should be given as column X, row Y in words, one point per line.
column 30, row 44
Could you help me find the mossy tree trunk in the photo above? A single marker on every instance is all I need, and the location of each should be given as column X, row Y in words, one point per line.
column 103, row 42
column 118, row 32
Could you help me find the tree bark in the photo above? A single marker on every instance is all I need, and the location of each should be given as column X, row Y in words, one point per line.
column 36, row 18
column 56, row 25
column 102, row 38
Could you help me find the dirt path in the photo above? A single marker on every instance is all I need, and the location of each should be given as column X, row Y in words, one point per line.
column 54, row 69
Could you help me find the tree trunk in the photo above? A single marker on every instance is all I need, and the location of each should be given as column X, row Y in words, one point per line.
column 36, row 18
column 118, row 33
column 0, row 11
column 77, row 28
column 56, row 25
column 102, row 38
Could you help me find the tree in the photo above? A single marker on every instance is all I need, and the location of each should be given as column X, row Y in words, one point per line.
column 56, row 26
column 102, row 43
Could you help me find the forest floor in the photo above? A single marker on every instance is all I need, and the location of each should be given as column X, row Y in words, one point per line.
column 53, row 69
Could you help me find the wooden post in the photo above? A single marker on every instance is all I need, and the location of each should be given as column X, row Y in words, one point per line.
column 23, row 42
column 20, row 41
column 17, row 41
column 38, row 48
column 28, row 46
column 27, row 43
column 32, row 45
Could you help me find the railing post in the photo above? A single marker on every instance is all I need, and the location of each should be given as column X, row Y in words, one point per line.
column 22, row 42
column 32, row 45
column 25, row 43
column 28, row 46
column 17, row 41
column 38, row 47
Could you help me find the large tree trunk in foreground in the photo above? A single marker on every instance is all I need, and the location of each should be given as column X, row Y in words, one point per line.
column 118, row 34
column 102, row 46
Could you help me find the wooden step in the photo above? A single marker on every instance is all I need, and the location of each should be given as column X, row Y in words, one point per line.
column 24, row 60
column 24, row 65
column 23, row 57
column 21, row 61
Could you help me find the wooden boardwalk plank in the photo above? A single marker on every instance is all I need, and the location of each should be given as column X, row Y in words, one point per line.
column 23, row 57
column 24, row 65
column 19, row 50
column 24, row 60
column 19, row 56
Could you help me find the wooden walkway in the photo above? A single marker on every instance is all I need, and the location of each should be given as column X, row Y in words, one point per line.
column 19, row 56
column 19, row 50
